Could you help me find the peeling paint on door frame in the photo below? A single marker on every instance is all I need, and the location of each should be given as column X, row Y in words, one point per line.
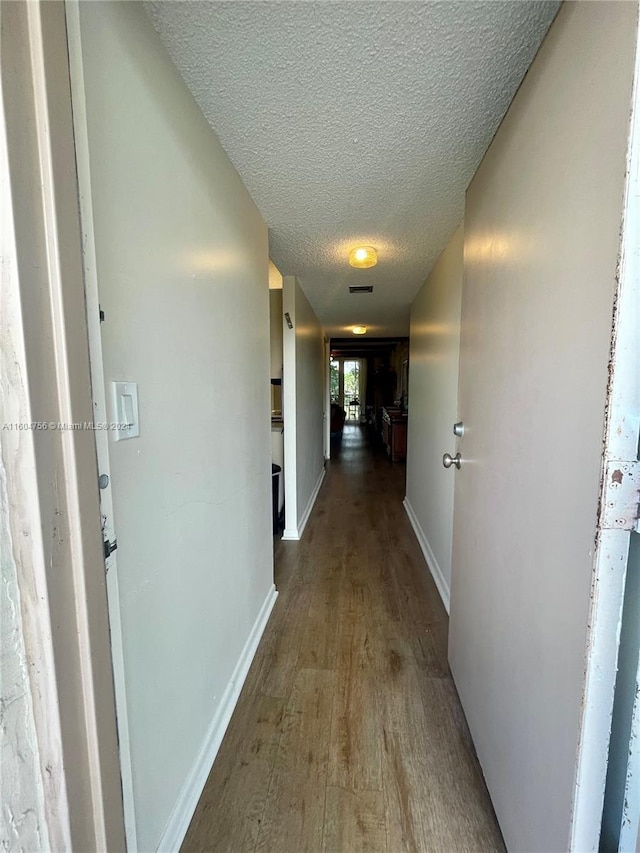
column 51, row 472
column 617, row 512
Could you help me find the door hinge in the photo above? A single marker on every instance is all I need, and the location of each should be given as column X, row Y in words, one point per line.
column 109, row 547
column 101, row 315
column 621, row 495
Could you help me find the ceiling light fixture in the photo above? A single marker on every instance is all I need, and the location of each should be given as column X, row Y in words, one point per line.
column 363, row 256
column 359, row 330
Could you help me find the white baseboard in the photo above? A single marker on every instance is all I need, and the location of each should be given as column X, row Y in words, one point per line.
column 432, row 563
column 296, row 533
column 192, row 789
column 314, row 494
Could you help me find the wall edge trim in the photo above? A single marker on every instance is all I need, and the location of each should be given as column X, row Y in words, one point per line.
column 189, row 795
column 432, row 564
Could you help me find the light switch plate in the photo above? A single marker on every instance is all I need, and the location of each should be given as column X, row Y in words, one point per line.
column 125, row 410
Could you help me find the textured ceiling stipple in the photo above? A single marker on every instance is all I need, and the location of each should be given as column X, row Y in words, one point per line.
column 355, row 123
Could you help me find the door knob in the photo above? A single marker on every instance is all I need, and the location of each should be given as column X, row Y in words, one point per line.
column 448, row 460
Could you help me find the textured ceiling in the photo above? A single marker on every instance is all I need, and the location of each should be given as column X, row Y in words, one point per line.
column 355, row 122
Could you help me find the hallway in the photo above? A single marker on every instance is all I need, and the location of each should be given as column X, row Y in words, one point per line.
column 349, row 734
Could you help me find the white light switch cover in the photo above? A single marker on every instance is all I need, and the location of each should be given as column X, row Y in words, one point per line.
column 125, row 410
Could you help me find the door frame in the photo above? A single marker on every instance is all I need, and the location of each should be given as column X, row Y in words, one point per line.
column 100, row 409
column 618, row 510
column 54, row 512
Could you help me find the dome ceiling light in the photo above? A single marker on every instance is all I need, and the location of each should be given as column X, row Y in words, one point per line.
column 359, row 330
column 363, row 256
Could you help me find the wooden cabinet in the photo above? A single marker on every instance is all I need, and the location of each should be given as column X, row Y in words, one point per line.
column 394, row 434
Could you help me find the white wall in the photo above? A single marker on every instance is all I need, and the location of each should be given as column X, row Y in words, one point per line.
column 275, row 326
column 275, row 277
column 304, row 392
column 182, row 263
column 433, row 401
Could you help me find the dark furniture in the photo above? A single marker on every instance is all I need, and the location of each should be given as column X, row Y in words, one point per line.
column 394, row 433
column 275, row 489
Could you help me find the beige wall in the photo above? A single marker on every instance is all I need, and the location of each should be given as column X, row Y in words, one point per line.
column 275, row 331
column 433, row 405
column 542, row 224
column 309, row 401
column 303, row 408
column 182, row 266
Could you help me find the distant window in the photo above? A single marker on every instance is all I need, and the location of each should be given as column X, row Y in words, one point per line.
column 335, row 380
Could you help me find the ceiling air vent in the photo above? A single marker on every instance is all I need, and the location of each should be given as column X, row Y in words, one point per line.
column 363, row 288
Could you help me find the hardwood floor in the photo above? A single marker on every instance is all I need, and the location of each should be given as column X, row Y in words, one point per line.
column 349, row 735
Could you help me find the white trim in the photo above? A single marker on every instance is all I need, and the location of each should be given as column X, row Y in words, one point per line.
column 432, row 564
column 601, row 668
column 296, row 533
column 81, row 134
column 187, row 801
column 66, row 410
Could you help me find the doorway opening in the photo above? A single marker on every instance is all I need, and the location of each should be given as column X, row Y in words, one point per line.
column 347, row 377
column 352, row 391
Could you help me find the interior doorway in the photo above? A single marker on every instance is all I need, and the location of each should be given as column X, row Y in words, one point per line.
column 352, row 390
column 348, row 386
column 335, row 381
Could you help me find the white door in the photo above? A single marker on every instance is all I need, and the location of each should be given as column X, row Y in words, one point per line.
column 101, row 412
column 534, row 583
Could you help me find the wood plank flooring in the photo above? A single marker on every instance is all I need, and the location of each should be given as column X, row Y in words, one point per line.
column 349, row 735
